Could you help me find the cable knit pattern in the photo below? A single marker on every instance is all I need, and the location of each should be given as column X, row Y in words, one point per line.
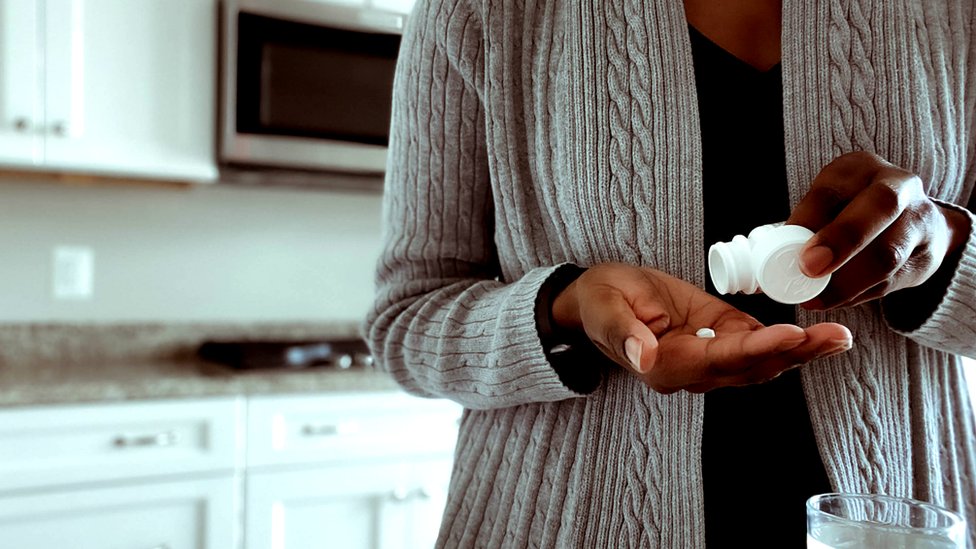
column 621, row 162
column 530, row 133
column 840, row 77
column 862, row 91
column 626, row 46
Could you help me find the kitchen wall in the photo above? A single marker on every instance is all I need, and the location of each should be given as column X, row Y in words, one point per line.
column 207, row 253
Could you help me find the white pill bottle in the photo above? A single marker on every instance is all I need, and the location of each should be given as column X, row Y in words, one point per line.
column 767, row 260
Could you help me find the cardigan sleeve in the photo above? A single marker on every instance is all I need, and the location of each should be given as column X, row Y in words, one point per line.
column 444, row 323
column 941, row 313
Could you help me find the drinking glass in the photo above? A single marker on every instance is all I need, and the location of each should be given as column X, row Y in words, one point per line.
column 869, row 521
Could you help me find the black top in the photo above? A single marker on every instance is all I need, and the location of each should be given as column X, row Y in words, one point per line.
column 759, row 457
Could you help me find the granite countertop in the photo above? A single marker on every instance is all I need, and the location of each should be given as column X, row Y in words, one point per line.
column 141, row 380
column 43, row 365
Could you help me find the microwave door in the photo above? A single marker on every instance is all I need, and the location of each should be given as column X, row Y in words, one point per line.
column 334, row 94
column 310, row 96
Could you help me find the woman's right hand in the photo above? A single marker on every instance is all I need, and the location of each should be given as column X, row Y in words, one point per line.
column 646, row 321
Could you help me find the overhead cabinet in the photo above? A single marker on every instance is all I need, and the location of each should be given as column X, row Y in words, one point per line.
column 112, row 87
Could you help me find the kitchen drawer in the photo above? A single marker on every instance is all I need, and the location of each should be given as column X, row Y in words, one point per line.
column 292, row 430
column 189, row 514
column 64, row 445
column 388, row 505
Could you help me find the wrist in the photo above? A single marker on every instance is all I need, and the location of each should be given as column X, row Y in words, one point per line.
column 564, row 310
column 959, row 227
column 572, row 358
column 550, row 330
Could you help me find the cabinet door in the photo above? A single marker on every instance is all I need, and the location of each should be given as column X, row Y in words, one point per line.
column 314, row 429
column 56, row 446
column 197, row 514
column 130, row 87
column 428, row 501
column 21, row 113
column 363, row 506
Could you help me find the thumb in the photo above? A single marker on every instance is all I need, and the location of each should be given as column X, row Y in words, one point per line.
column 641, row 353
column 614, row 327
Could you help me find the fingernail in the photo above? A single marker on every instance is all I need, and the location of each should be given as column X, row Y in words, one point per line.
column 816, row 260
column 633, row 348
column 789, row 344
column 835, row 346
column 843, row 344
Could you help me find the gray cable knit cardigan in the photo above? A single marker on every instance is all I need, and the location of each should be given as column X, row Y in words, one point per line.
column 532, row 133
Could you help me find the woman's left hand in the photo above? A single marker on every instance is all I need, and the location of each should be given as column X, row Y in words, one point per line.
column 876, row 230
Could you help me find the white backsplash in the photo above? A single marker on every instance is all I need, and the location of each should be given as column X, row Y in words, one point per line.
column 207, row 253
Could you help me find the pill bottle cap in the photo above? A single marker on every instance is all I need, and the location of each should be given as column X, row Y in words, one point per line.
column 777, row 267
column 768, row 260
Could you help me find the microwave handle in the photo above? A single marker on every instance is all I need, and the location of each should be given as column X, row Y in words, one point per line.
column 344, row 17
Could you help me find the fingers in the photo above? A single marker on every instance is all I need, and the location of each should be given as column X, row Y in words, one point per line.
column 889, row 262
column 773, row 367
column 835, row 185
column 743, row 357
column 866, row 217
column 852, row 201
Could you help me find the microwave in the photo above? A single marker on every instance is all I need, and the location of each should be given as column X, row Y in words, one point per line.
column 307, row 86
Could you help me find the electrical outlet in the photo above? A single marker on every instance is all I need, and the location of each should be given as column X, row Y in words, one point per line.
column 73, row 272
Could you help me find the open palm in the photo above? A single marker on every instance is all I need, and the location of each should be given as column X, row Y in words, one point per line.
column 647, row 321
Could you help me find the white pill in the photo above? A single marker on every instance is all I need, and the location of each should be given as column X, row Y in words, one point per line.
column 705, row 332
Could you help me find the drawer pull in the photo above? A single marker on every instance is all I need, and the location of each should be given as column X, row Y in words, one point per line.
column 330, row 429
column 401, row 494
column 146, row 441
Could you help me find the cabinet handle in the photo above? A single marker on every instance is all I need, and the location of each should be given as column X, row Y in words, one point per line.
column 329, row 429
column 22, row 124
column 59, row 129
column 400, row 495
column 145, row 441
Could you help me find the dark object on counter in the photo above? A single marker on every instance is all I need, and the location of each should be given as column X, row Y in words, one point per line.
column 248, row 355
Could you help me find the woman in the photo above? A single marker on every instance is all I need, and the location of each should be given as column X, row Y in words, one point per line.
column 557, row 170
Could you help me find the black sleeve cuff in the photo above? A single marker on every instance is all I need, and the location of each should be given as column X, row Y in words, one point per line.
column 577, row 362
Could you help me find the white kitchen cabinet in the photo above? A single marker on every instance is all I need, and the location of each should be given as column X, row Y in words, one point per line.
column 20, row 96
column 367, row 471
column 364, row 470
column 294, row 430
column 57, row 446
column 188, row 514
column 111, row 87
column 385, row 505
column 159, row 474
